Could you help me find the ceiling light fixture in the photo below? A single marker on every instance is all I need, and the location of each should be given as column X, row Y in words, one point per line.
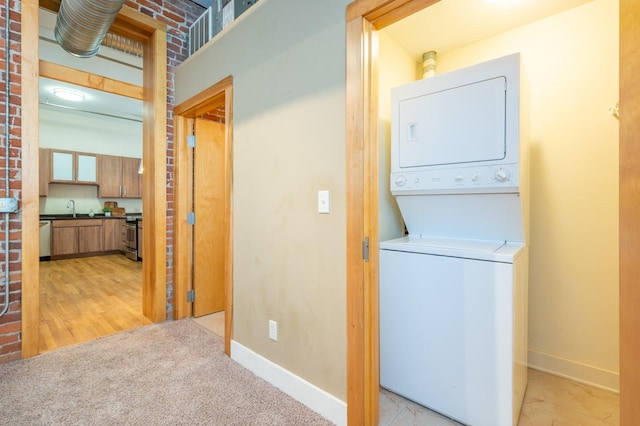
column 69, row 95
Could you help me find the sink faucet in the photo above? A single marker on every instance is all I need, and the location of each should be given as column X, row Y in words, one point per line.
column 72, row 204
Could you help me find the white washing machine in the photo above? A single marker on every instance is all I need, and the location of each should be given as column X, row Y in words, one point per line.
column 453, row 326
column 453, row 294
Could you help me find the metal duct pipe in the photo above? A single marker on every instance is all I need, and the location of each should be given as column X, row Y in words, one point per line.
column 429, row 64
column 82, row 24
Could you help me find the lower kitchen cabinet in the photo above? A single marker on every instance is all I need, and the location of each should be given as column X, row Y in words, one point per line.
column 64, row 239
column 76, row 237
column 112, row 234
column 90, row 238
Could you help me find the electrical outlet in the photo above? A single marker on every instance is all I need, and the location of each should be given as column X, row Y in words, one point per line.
column 273, row 330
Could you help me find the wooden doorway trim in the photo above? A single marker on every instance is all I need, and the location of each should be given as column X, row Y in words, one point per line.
column 364, row 18
column 629, row 212
column 184, row 114
column 153, row 35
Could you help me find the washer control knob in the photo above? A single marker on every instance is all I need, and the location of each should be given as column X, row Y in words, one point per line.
column 476, row 177
column 459, row 179
column 502, row 175
column 401, row 180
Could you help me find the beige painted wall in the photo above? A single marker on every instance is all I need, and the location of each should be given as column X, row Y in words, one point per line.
column 571, row 60
column 288, row 143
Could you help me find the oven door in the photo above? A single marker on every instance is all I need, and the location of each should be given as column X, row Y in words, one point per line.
column 130, row 242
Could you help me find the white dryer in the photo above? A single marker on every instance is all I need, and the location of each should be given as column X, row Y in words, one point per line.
column 453, row 294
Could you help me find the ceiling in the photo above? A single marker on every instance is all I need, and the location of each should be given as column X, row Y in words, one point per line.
column 444, row 26
column 95, row 102
column 450, row 24
column 109, row 62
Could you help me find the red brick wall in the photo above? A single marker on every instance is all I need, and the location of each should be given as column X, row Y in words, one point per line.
column 178, row 15
column 10, row 324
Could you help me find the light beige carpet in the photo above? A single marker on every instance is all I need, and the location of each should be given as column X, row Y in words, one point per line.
column 170, row 373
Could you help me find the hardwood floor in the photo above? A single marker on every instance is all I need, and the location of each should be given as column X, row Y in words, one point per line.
column 85, row 298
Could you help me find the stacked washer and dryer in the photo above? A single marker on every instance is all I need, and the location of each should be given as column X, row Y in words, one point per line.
column 453, row 293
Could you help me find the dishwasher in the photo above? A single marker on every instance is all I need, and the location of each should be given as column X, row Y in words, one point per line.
column 45, row 240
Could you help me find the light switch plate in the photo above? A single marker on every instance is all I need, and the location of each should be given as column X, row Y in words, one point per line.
column 323, row 201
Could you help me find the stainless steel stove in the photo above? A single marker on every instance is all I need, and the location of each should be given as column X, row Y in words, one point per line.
column 130, row 237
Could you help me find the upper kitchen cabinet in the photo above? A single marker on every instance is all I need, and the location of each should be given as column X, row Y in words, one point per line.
column 119, row 177
column 73, row 167
column 131, row 178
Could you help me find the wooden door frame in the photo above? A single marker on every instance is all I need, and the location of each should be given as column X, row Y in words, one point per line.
column 364, row 17
column 152, row 34
column 184, row 114
column 629, row 212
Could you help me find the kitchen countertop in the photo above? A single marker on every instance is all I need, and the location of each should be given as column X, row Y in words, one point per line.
column 136, row 216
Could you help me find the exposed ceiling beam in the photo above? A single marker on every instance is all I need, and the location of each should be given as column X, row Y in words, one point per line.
column 92, row 81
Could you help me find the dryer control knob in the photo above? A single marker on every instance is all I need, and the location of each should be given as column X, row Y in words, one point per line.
column 401, row 180
column 502, row 175
column 476, row 177
column 459, row 179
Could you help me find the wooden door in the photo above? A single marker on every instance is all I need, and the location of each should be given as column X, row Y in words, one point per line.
column 209, row 233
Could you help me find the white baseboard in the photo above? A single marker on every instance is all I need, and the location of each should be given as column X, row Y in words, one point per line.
column 576, row 371
column 310, row 395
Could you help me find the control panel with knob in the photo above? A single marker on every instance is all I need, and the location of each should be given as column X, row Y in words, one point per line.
column 473, row 179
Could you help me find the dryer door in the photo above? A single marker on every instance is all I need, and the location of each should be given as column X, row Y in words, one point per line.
column 464, row 124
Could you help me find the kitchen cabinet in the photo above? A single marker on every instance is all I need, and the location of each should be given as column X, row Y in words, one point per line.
column 112, row 234
column 73, row 167
column 119, row 177
column 64, row 239
column 76, row 237
column 90, row 238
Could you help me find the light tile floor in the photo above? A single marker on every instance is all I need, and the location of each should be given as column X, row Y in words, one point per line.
column 549, row 400
column 213, row 322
